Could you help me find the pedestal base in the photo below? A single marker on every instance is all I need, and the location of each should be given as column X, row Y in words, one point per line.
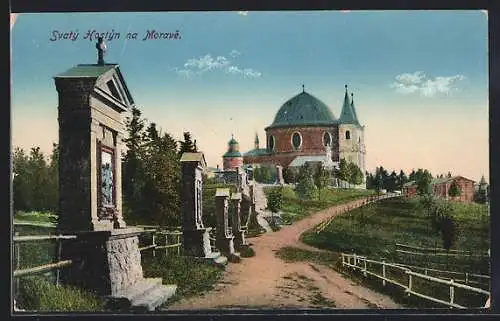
column 225, row 244
column 239, row 240
column 109, row 264
column 197, row 242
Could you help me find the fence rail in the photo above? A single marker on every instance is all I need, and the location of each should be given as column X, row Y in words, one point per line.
column 158, row 230
column 368, row 200
column 437, row 251
column 360, row 263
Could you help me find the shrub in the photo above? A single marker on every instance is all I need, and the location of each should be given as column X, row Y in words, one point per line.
column 247, row 251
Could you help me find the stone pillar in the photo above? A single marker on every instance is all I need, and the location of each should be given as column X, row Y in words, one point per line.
column 224, row 238
column 196, row 236
column 279, row 175
column 106, row 256
column 239, row 234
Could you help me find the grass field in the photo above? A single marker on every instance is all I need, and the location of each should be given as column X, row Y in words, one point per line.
column 295, row 209
column 373, row 231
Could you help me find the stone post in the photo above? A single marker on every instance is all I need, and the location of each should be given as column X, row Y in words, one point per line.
column 224, row 238
column 239, row 234
column 106, row 256
column 196, row 236
column 279, row 175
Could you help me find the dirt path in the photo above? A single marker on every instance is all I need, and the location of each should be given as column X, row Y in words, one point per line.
column 267, row 281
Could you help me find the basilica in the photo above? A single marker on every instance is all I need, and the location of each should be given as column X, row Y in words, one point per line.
column 305, row 130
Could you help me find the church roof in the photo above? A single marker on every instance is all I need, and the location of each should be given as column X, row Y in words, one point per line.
column 301, row 160
column 303, row 110
column 348, row 113
column 257, row 152
column 87, row 70
column 232, row 154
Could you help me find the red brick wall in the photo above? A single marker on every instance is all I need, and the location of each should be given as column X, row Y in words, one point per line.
column 312, row 140
column 466, row 187
column 410, row 191
column 231, row 162
column 283, row 159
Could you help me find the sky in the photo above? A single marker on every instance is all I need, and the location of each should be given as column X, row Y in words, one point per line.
column 419, row 78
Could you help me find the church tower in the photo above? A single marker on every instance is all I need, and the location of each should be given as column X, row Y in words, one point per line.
column 232, row 159
column 351, row 135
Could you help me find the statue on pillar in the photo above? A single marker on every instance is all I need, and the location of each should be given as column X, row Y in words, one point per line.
column 101, row 50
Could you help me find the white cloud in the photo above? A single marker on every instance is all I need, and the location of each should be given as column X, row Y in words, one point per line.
column 418, row 82
column 234, row 53
column 198, row 66
column 243, row 13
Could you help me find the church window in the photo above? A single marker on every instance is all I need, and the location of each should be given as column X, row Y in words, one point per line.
column 347, row 135
column 271, row 142
column 296, row 140
column 327, row 139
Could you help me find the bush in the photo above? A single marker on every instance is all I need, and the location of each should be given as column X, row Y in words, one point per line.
column 247, row 251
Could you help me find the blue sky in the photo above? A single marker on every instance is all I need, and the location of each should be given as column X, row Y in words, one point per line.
column 230, row 72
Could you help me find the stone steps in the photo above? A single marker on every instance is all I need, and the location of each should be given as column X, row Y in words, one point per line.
column 145, row 295
column 152, row 299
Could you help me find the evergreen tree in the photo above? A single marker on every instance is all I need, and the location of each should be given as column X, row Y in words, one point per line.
column 21, row 182
column 412, row 177
column 322, row 178
column 355, row 174
column 290, row 175
column 454, row 190
column 392, row 182
column 378, row 180
column 306, row 189
column 187, row 146
column 402, row 179
column 133, row 172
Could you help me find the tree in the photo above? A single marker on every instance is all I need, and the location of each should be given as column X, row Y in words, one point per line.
column 264, row 174
column 449, row 231
column 187, row 146
column 275, row 200
column 290, row 175
column 355, row 174
column 481, row 194
column 449, row 175
column 423, row 180
column 402, row 179
column 454, row 190
column 21, row 183
column 392, row 182
column 322, row 178
column 412, row 176
column 369, row 180
column 379, row 181
column 305, row 189
column 343, row 170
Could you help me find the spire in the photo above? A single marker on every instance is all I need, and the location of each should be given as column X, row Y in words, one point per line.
column 303, row 88
column 256, row 141
column 348, row 113
column 101, row 49
column 353, row 107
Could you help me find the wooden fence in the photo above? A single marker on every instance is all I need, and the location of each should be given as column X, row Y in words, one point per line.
column 360, row 263
column 156, row 231
column 415, row 250
column 371, row 199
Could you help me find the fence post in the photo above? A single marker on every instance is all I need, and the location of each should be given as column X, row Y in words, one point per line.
column 409, row 284
column 17, row 249
column 383, row 272
column 154, row 245
column 452, row 292
column 466, row 278
column 364, row 270
column 178, row 246
column 355, row 259
column 59, row 253
column 166, row 244
column 425, row 271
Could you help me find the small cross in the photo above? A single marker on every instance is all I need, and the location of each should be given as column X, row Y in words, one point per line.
column 303, row 90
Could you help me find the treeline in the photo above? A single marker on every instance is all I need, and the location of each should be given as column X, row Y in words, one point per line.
column 150, row 175
column 36, row 180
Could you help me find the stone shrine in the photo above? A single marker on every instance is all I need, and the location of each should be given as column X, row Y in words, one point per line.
column 224, row 238
column 196, row 235
column 279, row 175
column 239, row 234
column 106, row 257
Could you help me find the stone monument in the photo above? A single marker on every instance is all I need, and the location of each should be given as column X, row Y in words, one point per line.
column 196, row 235
column 224, row 238
column 106, row 257
column 238, row 232
column 279, row 175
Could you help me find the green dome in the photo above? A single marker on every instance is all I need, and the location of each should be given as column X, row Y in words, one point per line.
column 232, row 154
column 233, row 142
column 303, row 110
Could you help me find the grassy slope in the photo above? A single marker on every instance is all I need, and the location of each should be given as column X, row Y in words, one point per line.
column 373, row 231
column 295, row 209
